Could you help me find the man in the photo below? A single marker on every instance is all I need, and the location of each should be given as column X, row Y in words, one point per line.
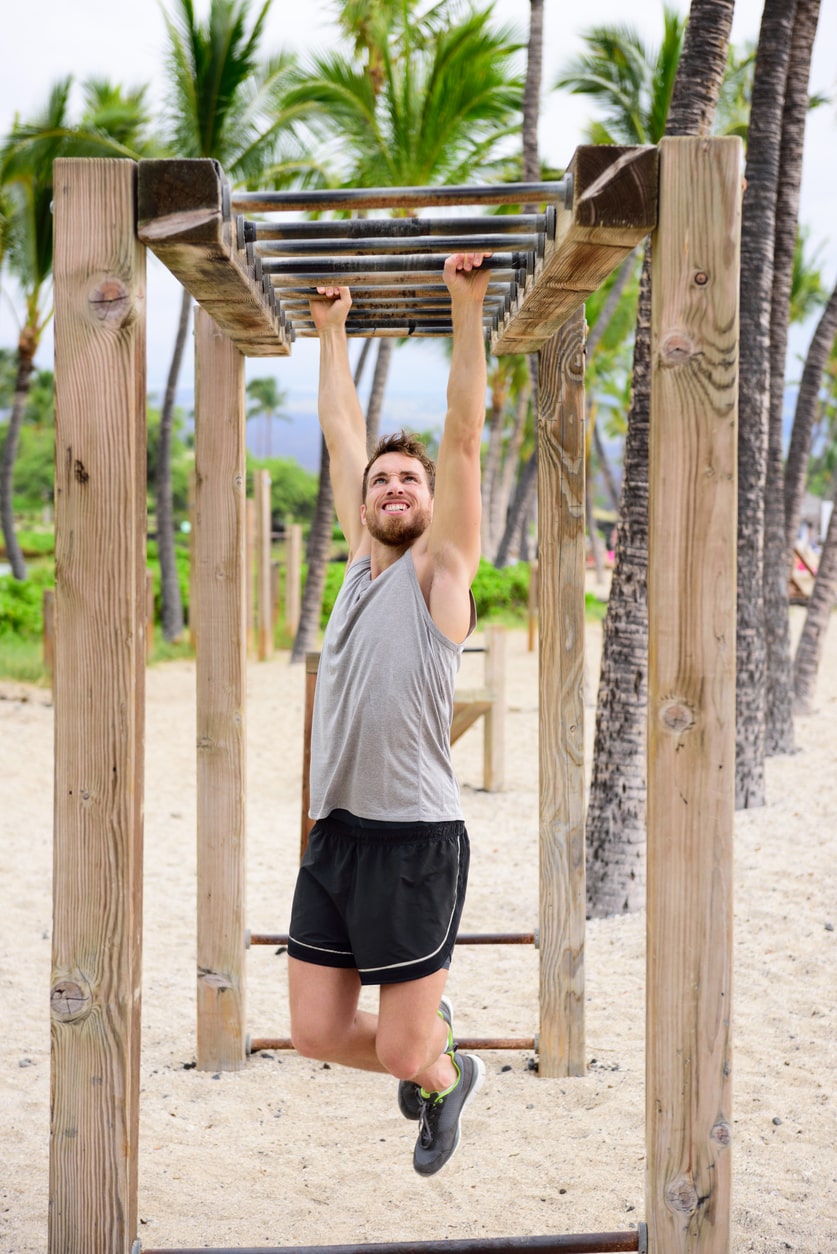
column 381, row 887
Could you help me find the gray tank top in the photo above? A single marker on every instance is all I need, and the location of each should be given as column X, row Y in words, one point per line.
column 380, row 737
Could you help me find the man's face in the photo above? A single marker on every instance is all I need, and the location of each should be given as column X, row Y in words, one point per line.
column 399, row 505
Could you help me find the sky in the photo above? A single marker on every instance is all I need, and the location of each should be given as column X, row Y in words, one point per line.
column 125, row 40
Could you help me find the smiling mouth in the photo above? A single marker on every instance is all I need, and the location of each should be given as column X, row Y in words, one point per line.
column 395, row 507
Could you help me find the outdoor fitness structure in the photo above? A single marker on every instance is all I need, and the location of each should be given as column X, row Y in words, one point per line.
column 251, row 279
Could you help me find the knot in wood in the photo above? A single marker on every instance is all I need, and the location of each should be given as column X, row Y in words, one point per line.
column 677, row 716
column 676, row 349
column 110, row 301
column 721, row 1133
column 682, row 1196
column 68, row 1001
column 701, row 278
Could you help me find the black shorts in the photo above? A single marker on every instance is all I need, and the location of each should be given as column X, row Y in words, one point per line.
column 384, row 899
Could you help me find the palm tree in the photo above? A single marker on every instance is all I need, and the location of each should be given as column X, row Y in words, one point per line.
column 758, row 234
column 267, row 400
column 644, row 95
column 225, row 103
column 112, row 124
column 778, row 709
column 433, row 104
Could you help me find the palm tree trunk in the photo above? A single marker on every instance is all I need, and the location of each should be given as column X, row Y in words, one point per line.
column 778, row 713
column 532, row 94
column 820, row 608
column 527, row 483
column 616, row 811
column 807, row 404
column 319, row 545
column 605, row 468
column 375, row 403
column 26, row 348
column 172, row 604
column 319, row 551
column 501, row 496
column 758, row 232
column 615, row 824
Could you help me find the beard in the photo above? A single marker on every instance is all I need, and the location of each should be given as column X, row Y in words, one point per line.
column 398, row 531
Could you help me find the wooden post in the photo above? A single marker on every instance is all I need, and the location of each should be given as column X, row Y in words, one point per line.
column 49, row 631
column 264, row 614
column 494, row 733
column 100, row 525
column 221, row 696
column 691, row 693
column 532, row 605
column 312, row 662
column 149, row 614
column 250, row 577
column 293, row 577
column 194, row 609
column 561, row 719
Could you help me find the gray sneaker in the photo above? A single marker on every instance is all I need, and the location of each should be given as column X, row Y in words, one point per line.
column 441, row 1117
column 409, row 1097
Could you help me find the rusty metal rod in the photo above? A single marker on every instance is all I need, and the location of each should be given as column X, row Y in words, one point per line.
column 395, row 228
column 259, row 1043
column 464, row 938
column 406, row 264
column 574, row 1243
column 400, row 197
column 444, row 245
column 381, row 288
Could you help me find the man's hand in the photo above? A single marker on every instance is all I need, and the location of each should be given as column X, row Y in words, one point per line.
column 330, row 308
column 464, row 278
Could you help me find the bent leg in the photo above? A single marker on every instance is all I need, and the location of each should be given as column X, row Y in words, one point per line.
column 325, row 1020
column 411, row 1037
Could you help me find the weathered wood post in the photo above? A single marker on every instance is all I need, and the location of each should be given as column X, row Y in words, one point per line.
column 264, row 536
column 691, row 693
column 100, row 526
column 494, row 734
column 220, row 542
column 561, row 718
column 293, row 577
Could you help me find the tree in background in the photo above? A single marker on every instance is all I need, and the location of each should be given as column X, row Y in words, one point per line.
column 266, row 401
column 223, row 102
column 111, row 120
column 433, row 103
column 675, row 94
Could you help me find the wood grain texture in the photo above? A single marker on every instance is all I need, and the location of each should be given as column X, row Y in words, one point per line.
column 691, row 718
column 100, row 526
column 184, row 218
column 220, row 542
column 561, row 455
column 614, row 208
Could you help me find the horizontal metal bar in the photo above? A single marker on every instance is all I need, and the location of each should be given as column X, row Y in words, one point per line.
column 636, row 1240
column 395, row 228
column 464, row 938
column 442, row 244
column 260, row 1043
column 400, row 197
column 407, row 264
column 379, row 287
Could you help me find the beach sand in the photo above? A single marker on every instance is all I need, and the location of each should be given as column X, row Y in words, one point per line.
column 288, row 1151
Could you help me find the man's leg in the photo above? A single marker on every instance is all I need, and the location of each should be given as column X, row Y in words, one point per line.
column 325, row 1020
column 411, row 1037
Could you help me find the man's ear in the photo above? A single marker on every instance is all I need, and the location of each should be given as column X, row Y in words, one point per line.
column 363, row 515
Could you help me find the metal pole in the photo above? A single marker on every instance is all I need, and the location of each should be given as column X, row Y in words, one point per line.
column 401, row 197
column 579, row 1243
column 252, row 232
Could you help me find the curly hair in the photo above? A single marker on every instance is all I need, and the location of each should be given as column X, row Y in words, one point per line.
column 410, row 446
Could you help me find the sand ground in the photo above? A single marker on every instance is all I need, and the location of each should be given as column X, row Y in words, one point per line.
column 288, row 1151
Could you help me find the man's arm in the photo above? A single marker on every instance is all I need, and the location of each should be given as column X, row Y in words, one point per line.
column 341, row 417
column 454, row 535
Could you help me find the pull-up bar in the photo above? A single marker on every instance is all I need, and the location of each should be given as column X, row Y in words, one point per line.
column 581, row 1243
column 401, row 197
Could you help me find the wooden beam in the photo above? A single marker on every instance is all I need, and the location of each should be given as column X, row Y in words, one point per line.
column 185, row 219
column 220, row 542
column 614, row 207
column 691, row 693
column 561, row 450
column 99, row 682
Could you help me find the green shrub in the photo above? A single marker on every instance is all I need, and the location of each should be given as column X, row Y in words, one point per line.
column 21, row 605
